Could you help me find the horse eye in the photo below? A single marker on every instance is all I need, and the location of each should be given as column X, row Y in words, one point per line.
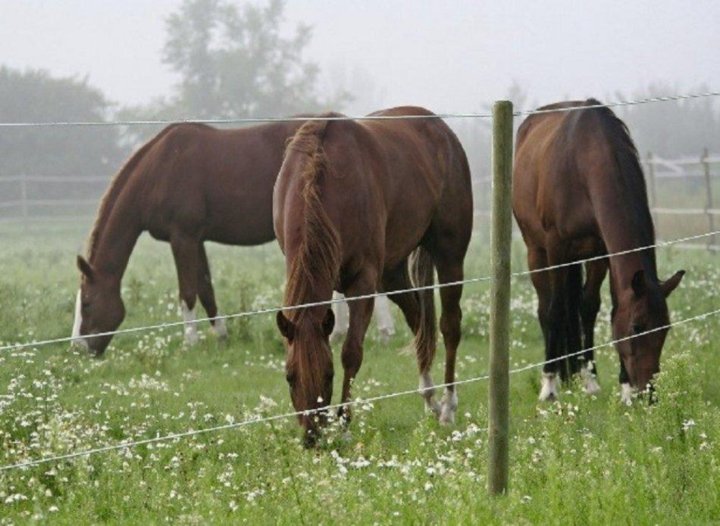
column 637, row 328
column 290, row 377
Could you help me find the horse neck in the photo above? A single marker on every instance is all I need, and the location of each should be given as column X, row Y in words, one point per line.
column 625, row 226
column 619, row 197
column 115, row 242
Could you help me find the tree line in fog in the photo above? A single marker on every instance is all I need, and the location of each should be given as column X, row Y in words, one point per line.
column 234, row 62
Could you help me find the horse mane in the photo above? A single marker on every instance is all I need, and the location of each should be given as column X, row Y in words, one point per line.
column 116, row 186
column 317, row 259
column 628, row 169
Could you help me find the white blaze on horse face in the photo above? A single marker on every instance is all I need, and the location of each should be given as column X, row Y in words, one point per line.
column 549, row 389
column 589, row 380
column 626, row 393
column 191, row 334
column 448, row 406
column 77, row 322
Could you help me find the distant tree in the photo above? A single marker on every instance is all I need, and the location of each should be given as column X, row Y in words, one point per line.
column 35, row 96
column 235, row 62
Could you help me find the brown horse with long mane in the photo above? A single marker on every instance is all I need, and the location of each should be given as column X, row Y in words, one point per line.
column 189, row 184
column 354, row 200
column 579, row 192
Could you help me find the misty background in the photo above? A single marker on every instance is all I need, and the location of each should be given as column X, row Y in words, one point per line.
column 214, row 59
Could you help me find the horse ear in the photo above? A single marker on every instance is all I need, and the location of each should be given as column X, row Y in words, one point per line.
column 287, row 328
column 638, row 283
column 85, row 268
column 672, row 283
column 329, row 322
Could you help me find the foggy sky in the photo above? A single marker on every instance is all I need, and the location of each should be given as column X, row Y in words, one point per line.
column 448, row 56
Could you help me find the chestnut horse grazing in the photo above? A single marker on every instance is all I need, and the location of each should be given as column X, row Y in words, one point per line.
column 354, row 200
column 579, row 192
column 191, row 183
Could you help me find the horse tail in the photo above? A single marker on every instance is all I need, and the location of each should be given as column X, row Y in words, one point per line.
column 422, row 274
column 116, row 186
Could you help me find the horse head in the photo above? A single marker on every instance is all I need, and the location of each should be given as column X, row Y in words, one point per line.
column 99, row 308
column 309, row 368
column 641, row 320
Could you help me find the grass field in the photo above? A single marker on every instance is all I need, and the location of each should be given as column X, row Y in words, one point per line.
column 580, row 460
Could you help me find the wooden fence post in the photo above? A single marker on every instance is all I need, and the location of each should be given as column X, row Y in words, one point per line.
column 499, row 384
column 709, row 202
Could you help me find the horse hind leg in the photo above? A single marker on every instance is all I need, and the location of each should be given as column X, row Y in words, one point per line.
column 341, row 318
column 537, row 259
column 206, row 293
column 410, row 305
column 186, row 255
column 595, row 275
column 385, row 322
column 448, row 260
column 573, row 329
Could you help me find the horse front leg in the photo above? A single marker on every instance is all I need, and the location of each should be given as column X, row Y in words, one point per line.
column 537, row 259
column 352, row 351
column 186, row 255
column 595, row 275
column 450, row 319
column 206, row 293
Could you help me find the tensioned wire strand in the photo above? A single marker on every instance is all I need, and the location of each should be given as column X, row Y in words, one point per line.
column 258, row 120
column 270, row 310
column 359, row 401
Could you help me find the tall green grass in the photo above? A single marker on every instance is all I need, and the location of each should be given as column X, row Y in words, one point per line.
column 579, row 460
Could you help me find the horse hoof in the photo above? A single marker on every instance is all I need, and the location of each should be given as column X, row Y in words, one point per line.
column 432, row 406
column 549, row 389
column 191, row 339
column 592, row 387
column 626, row 394
column 448, row 406
column 447, row 416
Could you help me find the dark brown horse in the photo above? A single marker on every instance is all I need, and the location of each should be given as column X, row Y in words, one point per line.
column 579, row 192
column 353, row 201
column 191, row 183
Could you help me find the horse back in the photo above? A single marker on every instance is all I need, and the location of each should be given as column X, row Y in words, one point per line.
column 404, row 171
column 559, row 157
column 217, row 182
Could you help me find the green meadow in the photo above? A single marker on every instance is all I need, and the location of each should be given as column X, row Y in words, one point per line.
column 580, row 460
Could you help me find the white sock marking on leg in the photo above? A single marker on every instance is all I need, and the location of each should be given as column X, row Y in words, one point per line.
column 448, row 406
column 220, row 328
column 589, row 380
column 191, row 334
column 549, row 389
column 626, row 393
column 427, row 391
column 342, row 318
